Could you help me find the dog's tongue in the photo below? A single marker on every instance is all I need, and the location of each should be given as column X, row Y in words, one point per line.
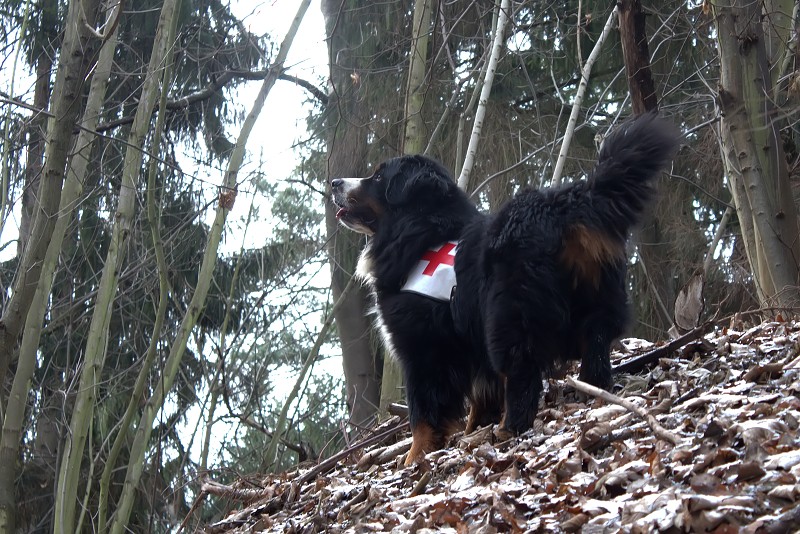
column 341, row 213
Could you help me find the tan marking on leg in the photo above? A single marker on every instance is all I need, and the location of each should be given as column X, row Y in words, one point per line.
column 471, row 419
column 424, row 440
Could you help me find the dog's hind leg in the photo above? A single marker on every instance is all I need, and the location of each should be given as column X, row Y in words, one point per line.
column 513, row 358
column 485, row 400
column 526, row 316
column 523, row 390
column 600, row 327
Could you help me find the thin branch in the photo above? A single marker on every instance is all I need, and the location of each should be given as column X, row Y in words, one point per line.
column 658, row 430
column 477, row 125
column 576, row 104
column 215, row 86
column 272, row 448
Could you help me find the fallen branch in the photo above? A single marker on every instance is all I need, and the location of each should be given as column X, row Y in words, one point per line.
column 212, row 487
column 398, row 409
column 329, row 464
column 637, row 364
column 658, row 430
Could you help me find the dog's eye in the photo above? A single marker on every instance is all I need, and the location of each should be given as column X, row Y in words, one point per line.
column 378, row 176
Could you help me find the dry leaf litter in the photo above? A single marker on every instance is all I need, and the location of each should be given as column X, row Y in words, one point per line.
column 731, row 399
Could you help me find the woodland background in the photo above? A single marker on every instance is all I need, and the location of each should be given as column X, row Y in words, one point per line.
column 136, row 354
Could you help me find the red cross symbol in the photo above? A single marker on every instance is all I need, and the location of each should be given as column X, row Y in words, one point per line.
column 439, row 257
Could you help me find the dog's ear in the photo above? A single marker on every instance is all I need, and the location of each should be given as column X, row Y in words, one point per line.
column 420, row 178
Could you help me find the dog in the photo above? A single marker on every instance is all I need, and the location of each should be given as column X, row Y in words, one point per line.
column 539, row 282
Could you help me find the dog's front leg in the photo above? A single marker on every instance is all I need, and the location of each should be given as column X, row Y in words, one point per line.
column 436, row 410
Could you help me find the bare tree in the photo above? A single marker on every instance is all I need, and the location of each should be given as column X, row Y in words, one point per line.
column 78, row 49
column 751, row 49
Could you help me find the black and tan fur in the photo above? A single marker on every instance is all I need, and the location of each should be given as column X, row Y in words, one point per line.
column 539, row 282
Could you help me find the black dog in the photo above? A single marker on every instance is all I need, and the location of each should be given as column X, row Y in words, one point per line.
column 539, row 282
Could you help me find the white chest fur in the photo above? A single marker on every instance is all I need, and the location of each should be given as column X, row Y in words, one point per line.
column 364, row 272
column 364, row 267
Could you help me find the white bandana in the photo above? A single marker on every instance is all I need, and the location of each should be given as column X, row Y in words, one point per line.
column 434, row 275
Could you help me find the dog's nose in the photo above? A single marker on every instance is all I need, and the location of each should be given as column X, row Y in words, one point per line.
column 336, row 183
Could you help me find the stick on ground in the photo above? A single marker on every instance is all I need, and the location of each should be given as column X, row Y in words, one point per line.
column 658, row 430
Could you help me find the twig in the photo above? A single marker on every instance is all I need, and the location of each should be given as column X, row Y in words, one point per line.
column 359, row 497
column 658, row 430
column 421, row 484
column 195, row 505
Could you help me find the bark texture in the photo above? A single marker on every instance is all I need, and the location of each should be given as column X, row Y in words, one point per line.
column 754, row 152
column 347, row 129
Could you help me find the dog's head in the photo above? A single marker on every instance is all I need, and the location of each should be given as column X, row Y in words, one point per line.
column 408, row 184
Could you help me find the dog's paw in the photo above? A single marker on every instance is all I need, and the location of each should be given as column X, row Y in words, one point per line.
column 413, row 458
column 502, row 433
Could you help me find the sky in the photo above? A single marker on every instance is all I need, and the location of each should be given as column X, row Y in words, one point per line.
column 282, row 122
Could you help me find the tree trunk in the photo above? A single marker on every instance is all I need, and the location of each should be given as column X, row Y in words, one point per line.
column 636, row 54
column 653, row 240
column 77, row 54
column 753, row 148
column 43, row 464
column 70, row 469
column 38, row 125
column 414, row 140
column 347, row 156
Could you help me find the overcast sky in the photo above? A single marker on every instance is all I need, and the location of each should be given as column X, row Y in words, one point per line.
column 283, row 120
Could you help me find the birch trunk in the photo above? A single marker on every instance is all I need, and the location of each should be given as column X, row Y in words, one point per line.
column 70, row 470
column 503, row 14
column 414, row 140
column 579, row 94
column 227, row 196
column 76, row 56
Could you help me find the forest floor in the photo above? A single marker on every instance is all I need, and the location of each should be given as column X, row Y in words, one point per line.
column 708, row 441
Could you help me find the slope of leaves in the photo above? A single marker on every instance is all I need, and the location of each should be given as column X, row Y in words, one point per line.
column 731, row 398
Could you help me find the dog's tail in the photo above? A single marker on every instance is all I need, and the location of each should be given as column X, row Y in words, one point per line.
column 630, row 159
